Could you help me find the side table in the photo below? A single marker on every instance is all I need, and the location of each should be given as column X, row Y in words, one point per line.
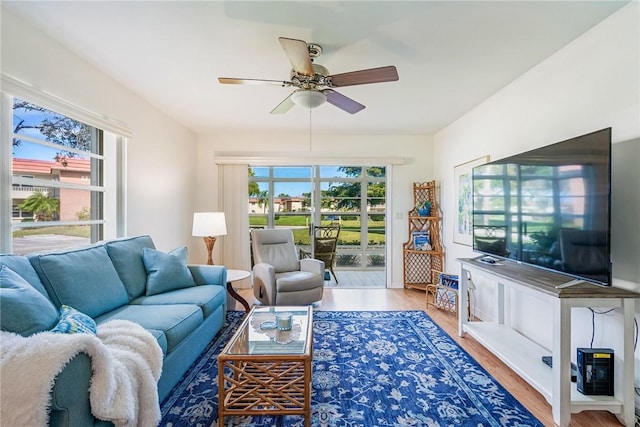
column 235, row 276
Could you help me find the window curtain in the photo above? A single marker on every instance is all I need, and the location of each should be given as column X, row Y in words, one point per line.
column 233, row 201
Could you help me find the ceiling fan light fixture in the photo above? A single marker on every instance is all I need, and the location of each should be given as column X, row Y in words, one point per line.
column 308, row 98
column 314, row 84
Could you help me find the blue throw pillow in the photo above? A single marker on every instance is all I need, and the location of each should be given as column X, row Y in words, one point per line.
column 23, row 310
column 73, row 321
column 166, row 272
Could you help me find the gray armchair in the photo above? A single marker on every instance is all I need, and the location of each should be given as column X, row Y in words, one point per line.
column 279, row 277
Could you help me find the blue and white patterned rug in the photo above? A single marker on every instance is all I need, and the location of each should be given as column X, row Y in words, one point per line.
column 391, row 368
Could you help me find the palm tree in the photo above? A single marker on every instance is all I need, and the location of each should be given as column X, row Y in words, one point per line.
column 254, row 187
column 43, row 207
column 263, row 200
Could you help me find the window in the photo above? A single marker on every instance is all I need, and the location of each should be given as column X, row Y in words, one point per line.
column 352, row 196
column 59, row 165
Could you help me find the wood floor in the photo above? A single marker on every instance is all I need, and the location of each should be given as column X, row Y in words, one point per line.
column 409, row 299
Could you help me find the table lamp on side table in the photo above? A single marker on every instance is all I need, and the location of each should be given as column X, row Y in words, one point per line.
column 209, row 225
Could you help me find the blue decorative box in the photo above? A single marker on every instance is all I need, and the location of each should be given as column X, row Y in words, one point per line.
column 449, row 280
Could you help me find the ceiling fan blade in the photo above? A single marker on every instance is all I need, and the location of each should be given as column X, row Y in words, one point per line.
column 284, row 106
column 298, row 55
column 234, row 81
column 372, row 75
column 343, row 102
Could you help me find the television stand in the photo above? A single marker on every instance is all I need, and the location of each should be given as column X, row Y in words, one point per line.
column 524, row 356
column 570, row 283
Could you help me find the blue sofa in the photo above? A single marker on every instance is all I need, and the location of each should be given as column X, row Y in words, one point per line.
column 118, row 279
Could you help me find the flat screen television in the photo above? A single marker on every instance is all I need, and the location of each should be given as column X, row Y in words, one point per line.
column 549, row 207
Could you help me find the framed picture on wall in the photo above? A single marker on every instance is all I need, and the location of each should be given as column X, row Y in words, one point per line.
column 463, row 202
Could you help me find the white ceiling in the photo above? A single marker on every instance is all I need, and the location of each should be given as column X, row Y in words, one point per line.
column 450, row 55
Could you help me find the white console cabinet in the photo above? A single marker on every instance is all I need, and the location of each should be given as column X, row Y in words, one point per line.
column 525, row 357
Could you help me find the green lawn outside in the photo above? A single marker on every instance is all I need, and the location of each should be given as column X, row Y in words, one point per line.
column 66, row 230
column 349, row 232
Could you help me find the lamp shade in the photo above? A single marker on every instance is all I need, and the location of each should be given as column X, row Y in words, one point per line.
column 308, row 98
column 207, row 224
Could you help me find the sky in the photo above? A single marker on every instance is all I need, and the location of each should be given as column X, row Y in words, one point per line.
column 30, row 150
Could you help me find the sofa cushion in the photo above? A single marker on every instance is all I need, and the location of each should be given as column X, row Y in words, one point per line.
column 20, row 264
column 208, row 297
column 84, row 279
column 23, row 309
column 166, row 272
column 177, row 321
column 161, row 338
column 73, row 321
column 126, row 255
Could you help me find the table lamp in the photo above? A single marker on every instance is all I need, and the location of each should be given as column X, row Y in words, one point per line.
column 209, row 225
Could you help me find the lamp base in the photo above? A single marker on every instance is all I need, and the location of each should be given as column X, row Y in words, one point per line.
column 209, row 242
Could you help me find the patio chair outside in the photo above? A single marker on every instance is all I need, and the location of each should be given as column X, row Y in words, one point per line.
column 325, row 247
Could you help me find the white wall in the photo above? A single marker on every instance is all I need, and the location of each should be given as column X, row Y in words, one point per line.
column 590, row 84
column 416, row 152
column 171, row 175
column 161, row 155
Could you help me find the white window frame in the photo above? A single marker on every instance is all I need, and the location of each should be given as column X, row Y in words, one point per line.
column 316, row 180
column 115, row 138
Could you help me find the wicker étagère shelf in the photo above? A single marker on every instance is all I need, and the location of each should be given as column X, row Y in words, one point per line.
column 420, row 265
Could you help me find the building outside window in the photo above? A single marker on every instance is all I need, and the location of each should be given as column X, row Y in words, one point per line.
column 59, row 165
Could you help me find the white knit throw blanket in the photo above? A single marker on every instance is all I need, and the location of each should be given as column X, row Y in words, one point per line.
column 126, row 361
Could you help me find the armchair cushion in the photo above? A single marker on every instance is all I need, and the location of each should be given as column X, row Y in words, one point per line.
column 275, row 247
column 166, row 272
column 297, row 281
column 324, row 246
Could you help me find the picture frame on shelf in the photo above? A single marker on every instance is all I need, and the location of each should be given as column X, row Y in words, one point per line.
column 463, row 193
column 421, row 240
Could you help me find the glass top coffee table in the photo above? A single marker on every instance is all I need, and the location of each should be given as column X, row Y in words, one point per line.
column 265, row 369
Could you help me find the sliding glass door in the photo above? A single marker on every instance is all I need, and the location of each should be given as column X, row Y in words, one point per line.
column 353, row 197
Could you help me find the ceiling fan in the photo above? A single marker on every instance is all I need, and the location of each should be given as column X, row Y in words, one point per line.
column 314, row 85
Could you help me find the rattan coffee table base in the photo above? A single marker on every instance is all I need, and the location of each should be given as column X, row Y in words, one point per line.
column 266, row 371
column 266, row 388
